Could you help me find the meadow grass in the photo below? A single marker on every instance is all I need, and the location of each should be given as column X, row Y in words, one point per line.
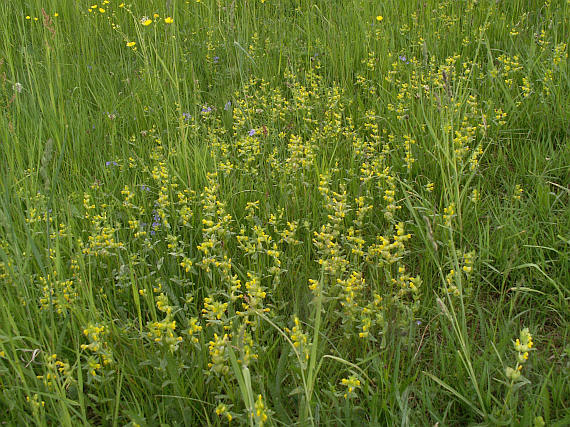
column 284, row 212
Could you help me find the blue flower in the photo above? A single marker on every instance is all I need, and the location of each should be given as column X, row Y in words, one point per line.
column 251, row 132
column 155, row 223
column 187, row 116
column 228, row 105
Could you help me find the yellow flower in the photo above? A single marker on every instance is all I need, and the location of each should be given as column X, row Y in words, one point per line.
column 379, row 18
column 28, row 17
column 131, row 44
column 169, row 20
column 147, row 22
column 101, row 10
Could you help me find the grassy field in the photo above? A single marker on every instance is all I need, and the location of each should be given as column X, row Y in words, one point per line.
column 284, row 212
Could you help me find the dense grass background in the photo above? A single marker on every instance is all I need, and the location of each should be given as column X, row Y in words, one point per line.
column 292, row 136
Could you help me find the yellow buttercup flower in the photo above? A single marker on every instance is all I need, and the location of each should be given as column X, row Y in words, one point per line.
column 131, row 44
column 379, row 18
column 169, row 20
column 147, row 22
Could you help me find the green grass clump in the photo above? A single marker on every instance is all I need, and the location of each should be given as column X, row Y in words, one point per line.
column 284, row 212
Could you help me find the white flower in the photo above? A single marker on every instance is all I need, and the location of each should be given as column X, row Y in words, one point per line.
column 17, row 87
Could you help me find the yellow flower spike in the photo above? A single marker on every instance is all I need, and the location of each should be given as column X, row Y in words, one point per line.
column 169, row 20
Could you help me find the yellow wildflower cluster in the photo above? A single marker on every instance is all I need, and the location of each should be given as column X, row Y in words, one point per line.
column 164, row 332
column 522, row 345
column 218, row 354
column 260, row 413
column 99, row 352
column 59, row 294
column 351, row 383
column 58, row 374
column 300, row 341
column 222, row 411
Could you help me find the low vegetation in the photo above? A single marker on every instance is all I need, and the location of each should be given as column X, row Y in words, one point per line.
column 294, row 212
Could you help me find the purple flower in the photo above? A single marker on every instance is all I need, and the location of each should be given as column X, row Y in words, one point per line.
column 216, row 59
column 206, row 109
column 187, row 116
column 145, row 188
column 228, row 105
column 111, row 163
column 155, row 223
column 403, row 59
column 251, row 132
